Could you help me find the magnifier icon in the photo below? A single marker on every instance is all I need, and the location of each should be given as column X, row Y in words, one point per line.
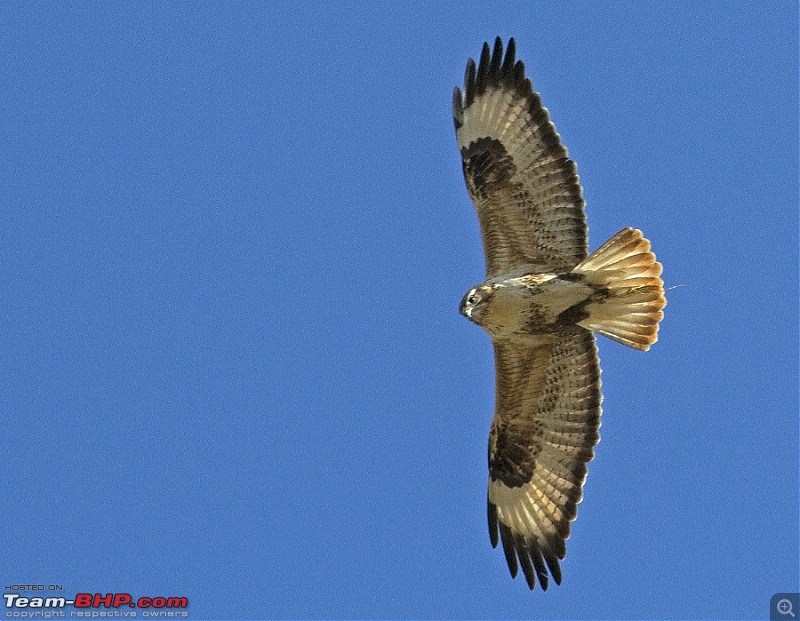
column 784, row 607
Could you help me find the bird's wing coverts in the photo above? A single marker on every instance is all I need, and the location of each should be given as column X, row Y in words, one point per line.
column 524, row 186
column 546, row 424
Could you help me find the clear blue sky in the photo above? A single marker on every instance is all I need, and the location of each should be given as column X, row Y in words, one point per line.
column 233, row 239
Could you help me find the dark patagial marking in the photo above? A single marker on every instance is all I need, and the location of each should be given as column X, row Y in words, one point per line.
column 487, row 166
column 513, row 452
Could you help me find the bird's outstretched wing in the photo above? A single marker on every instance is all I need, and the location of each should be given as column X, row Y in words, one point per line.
column 546, row 424
column 524, row 186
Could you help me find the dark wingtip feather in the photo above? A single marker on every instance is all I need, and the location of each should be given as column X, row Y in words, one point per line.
column 492, row 69
column 519, row 73
column 483, row 69
column 538, row 563
column 527, row 570
column 492, row 514
column 553, row 566
column 511, row 53
column 497, row 59
column 525, row 560
column 469, row 83
column 508, row 549
column 534, row 556
column 458, row 108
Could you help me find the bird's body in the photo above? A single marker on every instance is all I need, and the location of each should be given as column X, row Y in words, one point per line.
column 541, row 301
column 529, row 305
column 519, row 304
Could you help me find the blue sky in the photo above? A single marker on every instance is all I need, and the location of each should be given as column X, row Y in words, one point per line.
column 233, row 240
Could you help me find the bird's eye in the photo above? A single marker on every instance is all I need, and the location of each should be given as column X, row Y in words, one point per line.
column 472, row 299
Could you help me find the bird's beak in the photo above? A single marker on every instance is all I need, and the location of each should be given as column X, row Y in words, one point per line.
column 463, row 309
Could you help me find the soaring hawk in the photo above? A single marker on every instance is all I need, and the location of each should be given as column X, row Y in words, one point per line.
column 542, row 299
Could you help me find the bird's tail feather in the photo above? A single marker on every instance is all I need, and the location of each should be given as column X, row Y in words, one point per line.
column 625, row 269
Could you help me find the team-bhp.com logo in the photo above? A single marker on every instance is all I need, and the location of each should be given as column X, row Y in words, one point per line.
column 90, row 605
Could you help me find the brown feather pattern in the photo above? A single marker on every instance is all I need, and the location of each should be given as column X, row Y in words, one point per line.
column 529, row 203
column 548, row 403
column 524, row 186
column 541, row 303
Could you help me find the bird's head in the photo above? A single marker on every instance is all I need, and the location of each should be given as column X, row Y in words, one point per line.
column 475, row 303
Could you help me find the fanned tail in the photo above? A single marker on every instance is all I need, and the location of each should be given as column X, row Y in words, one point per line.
column 627, row 270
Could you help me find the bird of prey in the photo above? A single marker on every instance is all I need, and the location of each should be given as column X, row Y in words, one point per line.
column 541, row 302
